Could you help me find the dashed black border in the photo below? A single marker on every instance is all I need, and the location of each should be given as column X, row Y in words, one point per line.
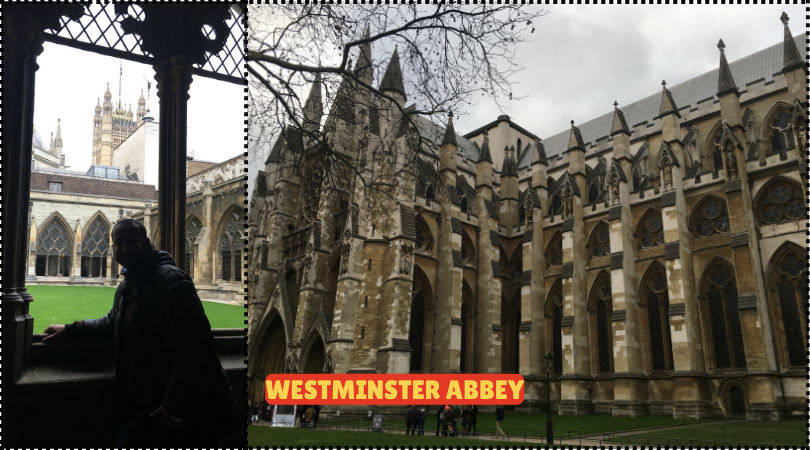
column 245, row 252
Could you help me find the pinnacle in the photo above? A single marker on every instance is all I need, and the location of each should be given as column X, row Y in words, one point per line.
column 392, row 80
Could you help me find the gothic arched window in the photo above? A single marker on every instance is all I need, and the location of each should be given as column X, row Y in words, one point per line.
column 788, row 290
column 657, row 296
column 593, row 193
column 781, row 202
column 651, row 231
column 601, row 306
column 192, row 230
column 554, row 253
column 423, row 236
column 522, row 215
column 230, row 250
column 467, row 249
column 782, row 135
column 554, row 307
column 710, row 217
column 600, row 242
column 636, row 180
column 720, row 295
column 555, row 205
column 717, row 160
column 53, row 250
column 95, row 245
column 464, row 205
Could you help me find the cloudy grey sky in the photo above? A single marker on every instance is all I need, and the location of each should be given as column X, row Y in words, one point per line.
column 70, row 81
column 582, row 58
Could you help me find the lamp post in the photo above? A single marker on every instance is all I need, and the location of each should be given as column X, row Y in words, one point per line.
column 549, row 425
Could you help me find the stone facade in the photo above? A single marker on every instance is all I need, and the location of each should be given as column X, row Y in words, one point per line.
column 112, row 125
column 657, row 251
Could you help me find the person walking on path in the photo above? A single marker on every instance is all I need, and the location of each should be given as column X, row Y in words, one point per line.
column 446, row 417
column 422, row 417
column 455, row 411
column 408, row 419
column 170, row 387
column 473, row 420
column 309, row 416
column 499, row 416
column 465, row 420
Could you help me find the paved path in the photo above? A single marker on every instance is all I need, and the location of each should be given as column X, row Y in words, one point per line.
column 585, row 440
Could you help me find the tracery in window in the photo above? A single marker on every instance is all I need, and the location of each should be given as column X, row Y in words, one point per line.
column 467, row 249
column 725, row 328
column 230, row 250
column 601, row 307
column 651, row 231
column 789, row 302
column 782, row 135
column 554, row 307
column 554, row 255
column 193, row 229
column 53, row 250
column 423, row 236
column 782, row 202
column 95, row 245
column 600, row 243
column 654, row 290
column 711, row 217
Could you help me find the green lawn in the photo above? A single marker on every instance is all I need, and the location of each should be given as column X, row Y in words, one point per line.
column 66, row 304
column 260, row 436
column 776, row 433
column 576, row 425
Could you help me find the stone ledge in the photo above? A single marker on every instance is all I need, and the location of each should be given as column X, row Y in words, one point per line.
column 672, row 250
column 733, row 185
column 668, row 199
column 567, row 270
column 747, row 301
column 525, row 326
column 615, row 212
column 617, row 261
column 567, row 321
column 456, row 321
column 618, row 315
column 739, row 239
column 567, row 225
column 677, row 309
column 497, row 327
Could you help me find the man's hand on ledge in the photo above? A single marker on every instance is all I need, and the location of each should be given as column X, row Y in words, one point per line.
column 55, row 332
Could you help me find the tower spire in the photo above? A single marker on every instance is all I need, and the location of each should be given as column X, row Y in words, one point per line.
column 57, row 142
column 619, row 123
column 450, row 132
column 667, row 102
column 793, row 59
column 486, row 154
column 313, row 108
column 725, row 82
column 392, row 80
column 363, row 68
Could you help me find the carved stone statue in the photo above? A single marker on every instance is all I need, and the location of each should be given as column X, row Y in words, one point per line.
column 614, row 185
column 569, row 204
column 667, row 174
column 405, row 260
column 731, row 162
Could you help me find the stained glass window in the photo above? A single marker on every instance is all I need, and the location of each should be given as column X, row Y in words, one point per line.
column 792, row 293
column 603, row 333
column 782, row 138
column 782, row 202
column 230, row 249
column 724, row 319
column 658, row 317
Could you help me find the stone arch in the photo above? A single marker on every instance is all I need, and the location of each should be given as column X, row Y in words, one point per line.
column 268, row 351
column 313, row 353
column 96, row 246
column 468, row 313
column 597, row 237
column 786, row 290
column 720, row 317
column 653, row 298
column 773, row 112
column 554, row 314
column 600, row 308
column 730, row 405
column 54, row 257
column 795, row 199
column 228, row 245
column 554, row 250
column 468, row 250
column 646, row 233
column 420, row 332
column 703, row 222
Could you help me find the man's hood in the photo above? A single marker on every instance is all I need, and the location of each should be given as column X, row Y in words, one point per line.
column 154, row 259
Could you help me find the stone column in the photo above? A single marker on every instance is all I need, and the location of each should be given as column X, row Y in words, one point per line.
column 488, row 322
column 165, row 161
column 629, row 387
column 32, row 252
column 76, row 276
column 691, row 398
column 575, row 394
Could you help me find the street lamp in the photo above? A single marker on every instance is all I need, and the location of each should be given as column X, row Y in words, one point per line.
column 549, row 425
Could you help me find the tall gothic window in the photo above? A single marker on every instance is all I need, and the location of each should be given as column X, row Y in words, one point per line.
column 636, row 180
column 782, row 135
column 593, row 193
column 720, row 294
column 717, row 159
column 600, row 242
column 651, row 231
column 711, row 217
column 192, row 231
column 554, row 254
column 789, row 284
column 782, row 202
column 416, row 332
column 53, row 250
column 658, row 319
column 230, row 250
column 467, row 249
column 95, row 244
column 554, row 312
column 601, row 300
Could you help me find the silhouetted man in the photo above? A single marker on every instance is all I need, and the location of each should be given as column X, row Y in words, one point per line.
column 170, row 383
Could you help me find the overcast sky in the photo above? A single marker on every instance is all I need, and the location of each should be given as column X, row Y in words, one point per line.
column 582, row 58
column 70, row 81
